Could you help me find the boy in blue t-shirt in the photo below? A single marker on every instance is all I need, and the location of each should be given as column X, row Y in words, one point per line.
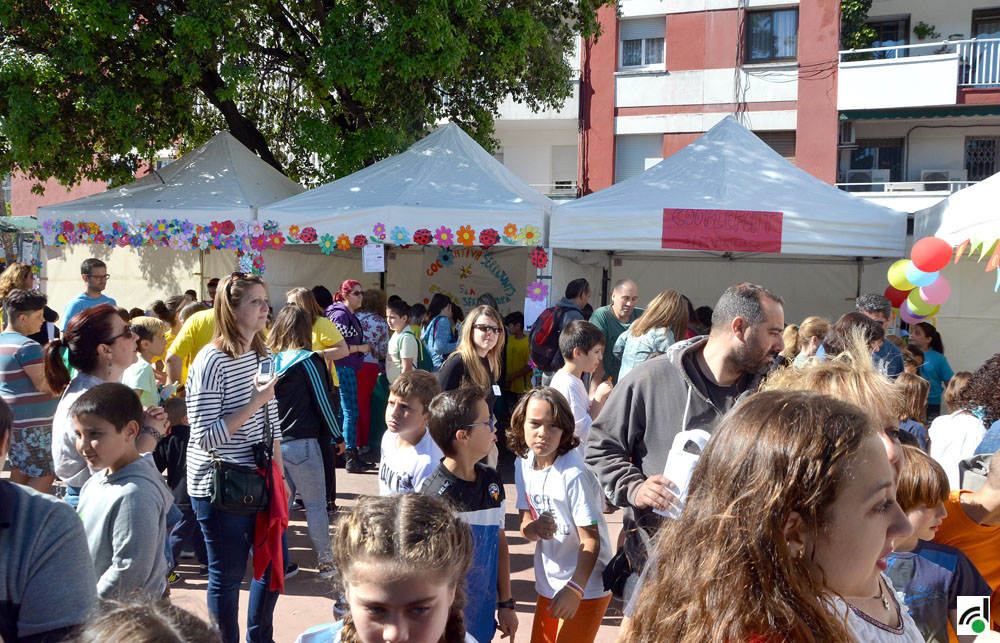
column 930, row 576
column 460, row 424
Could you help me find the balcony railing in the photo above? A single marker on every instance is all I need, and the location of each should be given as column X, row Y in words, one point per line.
column 562, row 189
column 978, row 58
column 903, row 187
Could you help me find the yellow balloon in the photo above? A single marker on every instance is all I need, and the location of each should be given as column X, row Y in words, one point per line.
column 897, row 276
column 917, row 305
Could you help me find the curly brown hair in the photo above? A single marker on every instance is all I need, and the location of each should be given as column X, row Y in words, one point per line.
column 724, row 571
column 983, row 390
column 562, row 415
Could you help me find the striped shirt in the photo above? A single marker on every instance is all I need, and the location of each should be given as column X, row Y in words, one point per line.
column 217, row 386
column 31, row 407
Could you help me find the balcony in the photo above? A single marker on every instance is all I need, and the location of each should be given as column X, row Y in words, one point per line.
column 921, row 75
column 559, row 191
column 905, row 196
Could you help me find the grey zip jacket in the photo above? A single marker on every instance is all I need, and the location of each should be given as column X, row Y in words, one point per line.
column 629, row 440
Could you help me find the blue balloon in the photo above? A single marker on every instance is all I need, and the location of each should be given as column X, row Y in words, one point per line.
column 918, row 277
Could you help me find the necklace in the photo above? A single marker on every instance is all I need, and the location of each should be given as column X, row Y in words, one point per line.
column 882, row 596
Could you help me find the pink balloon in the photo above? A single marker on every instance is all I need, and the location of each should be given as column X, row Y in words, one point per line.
column 909, row 317
column 936, row 293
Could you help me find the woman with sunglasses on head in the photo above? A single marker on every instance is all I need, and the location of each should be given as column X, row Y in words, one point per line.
column 346, row 302
column 476, row 361
column 100, row 347
column 231, row 413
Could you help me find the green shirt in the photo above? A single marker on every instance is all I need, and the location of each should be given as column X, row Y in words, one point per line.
column 605, row 319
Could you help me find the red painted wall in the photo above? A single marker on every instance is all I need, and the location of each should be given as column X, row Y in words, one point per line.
column 978, row 95
column 701, row 40
column 816, row 130
column 597, row 138
column 25, row 203
column 676, row 142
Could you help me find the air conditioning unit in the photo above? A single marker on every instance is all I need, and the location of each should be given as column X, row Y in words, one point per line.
column 859, row 176
column 929, row 178
column 846, row 138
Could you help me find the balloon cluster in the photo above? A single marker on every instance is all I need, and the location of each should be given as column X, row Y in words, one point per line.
column 916, row 286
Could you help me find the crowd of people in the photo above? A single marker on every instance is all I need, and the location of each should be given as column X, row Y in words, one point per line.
column 821, row 481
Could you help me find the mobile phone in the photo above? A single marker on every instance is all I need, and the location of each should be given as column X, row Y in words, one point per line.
column 265, row 371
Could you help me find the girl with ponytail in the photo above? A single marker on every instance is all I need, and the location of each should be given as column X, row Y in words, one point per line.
column 402, row 560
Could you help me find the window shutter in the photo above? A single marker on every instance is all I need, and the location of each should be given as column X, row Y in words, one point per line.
column 781, row 142
column 642, row 28
column 632, row 152
column 563, row 163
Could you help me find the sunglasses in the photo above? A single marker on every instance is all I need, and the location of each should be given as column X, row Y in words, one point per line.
column 233, row 277
column 125, row 333
column 486, row 328
column 357, row 293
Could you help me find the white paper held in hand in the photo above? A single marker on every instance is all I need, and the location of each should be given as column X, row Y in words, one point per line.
column 680, row 465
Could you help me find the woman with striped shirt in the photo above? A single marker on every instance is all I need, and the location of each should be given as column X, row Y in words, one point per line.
column 226, row 407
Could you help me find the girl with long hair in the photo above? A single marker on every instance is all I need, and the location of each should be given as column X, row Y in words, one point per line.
column 935, row 368
column 802, row 340
column 346, row 303
column 438, row 334
column 957, row 435
column 306, row 419
column 790, row 514
column 913, row 413
column 391, row 551
column 234, row 419
column 663, row 322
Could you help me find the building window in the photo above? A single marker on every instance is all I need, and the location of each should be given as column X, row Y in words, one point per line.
column 891, row 33
column 875, row 160
column 781, row 142
column 981, row 158
column 636, row 153
column 772, row 35
column 641, row 42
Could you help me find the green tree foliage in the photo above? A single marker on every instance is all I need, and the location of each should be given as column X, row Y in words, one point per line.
column 855, row 32
column 317, row 88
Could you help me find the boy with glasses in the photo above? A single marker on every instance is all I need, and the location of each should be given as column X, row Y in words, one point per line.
column 94, row 273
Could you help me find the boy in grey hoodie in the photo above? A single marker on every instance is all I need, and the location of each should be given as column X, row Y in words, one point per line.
column 124, row 507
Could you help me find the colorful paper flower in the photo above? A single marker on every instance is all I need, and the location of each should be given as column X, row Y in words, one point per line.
column 258, row 243
column 258, row 263
column 216, row 228
column 327, row 244
column 443, row 237
column 360, row 240
column 379, row 231
column 227, row 227
column 242, row 228
column 488, row 238
column 67, row 227
column 204, row 241
column 538, row 291
column 539, row 258
column 177, row 242
column 510, row 230
column 271, row 226
column 466, row 236
column 276, row 241
column 49, row 227
column 399, row 236
column 122, row 241
column 422, row 237
column 530, row 235
column 343, row 242
column 308, row 235
column 446, row 257
column 256, row 228
column 293, row 232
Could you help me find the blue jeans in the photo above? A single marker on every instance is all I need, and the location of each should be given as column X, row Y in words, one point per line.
column 173, row 517
column 304, row 471
column 348, row 416
column 187, row 530
column 72, row 496
column 228, row 540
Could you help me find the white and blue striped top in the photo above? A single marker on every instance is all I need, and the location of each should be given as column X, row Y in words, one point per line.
column 218, row 385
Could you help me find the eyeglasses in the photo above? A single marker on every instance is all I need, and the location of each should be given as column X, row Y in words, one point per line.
column 486, row 328
column 125, row 333
column 357, row 293
column 99, row 277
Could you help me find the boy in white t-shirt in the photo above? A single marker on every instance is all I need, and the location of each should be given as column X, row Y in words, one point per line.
column 582, row 346
column 152, row 342
column 409, row 454
column 403, row 347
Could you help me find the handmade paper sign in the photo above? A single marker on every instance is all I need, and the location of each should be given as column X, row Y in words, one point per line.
column 721, row 230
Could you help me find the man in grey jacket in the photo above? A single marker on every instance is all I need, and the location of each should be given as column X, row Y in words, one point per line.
column 690, row 387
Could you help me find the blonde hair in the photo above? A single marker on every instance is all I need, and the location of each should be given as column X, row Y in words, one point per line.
column 953, row 391
column 474, row 370
column 850, row 376
column 390, row 538
column 668, row 310
column 144, row 621
column 922, row 481
column 148, row 328
column 796, row 336
column 13, row 277
column 914, row 390
column 305, row 299
column 228, row 297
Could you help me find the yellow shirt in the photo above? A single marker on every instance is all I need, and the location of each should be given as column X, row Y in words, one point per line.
column 517, row 358
column 195, row 334
column 325, row 335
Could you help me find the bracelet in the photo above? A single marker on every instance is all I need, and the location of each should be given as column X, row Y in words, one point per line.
column 507, row 604
column 573, row 587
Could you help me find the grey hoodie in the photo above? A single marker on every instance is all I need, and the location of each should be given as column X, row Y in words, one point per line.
column 629, row 440
column 125, row 516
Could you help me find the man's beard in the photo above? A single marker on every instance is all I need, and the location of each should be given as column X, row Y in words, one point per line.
column 750, row 359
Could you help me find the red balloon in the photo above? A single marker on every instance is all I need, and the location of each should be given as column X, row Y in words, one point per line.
column 931, row 254
column 896, row 297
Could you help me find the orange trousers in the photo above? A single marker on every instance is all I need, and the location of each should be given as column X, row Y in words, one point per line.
column 582, row 628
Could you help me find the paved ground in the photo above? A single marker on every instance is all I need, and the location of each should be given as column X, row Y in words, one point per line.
column 308, row 599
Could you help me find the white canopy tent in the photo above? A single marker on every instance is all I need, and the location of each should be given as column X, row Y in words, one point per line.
column 970, row 319
column 718, row 188
column 219, row 180
column 446, row 178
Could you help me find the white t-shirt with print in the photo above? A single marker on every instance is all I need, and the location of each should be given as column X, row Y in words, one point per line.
column 575, row 392
column 404, row 469
column 571, row 493
column 400, row 345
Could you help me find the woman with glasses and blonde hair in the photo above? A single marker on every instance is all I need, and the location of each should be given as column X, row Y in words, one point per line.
column 476, row 361
column 346, row 302
column 233, row 418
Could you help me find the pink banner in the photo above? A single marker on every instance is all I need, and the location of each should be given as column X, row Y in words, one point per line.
column 721, row 230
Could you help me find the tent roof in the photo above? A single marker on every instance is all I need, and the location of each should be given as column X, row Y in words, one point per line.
column 219, row 180
column 728, row 169
column 446, row 178
column 970, row 213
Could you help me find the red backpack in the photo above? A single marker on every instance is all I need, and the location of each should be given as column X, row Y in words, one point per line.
column 544, row 340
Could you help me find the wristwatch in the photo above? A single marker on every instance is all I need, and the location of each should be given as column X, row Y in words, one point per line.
column 507, row 604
